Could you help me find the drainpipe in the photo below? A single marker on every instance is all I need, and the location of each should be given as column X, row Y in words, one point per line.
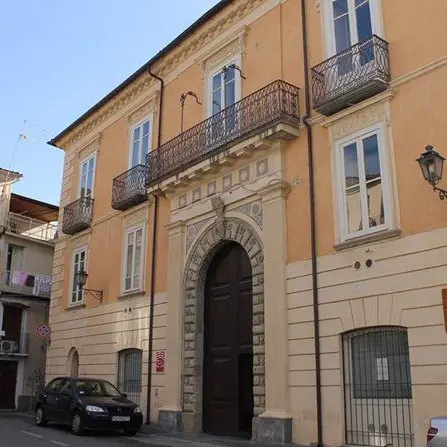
column 154, row 258
column 312, row 227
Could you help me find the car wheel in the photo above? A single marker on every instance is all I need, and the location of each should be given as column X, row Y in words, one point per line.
column 40, row 417
column 77, row 426
column 131, row 432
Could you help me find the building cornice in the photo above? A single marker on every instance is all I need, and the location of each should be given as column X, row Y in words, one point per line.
column 187, row 49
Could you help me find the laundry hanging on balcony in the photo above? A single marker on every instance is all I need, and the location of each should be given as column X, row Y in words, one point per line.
column 42, row 285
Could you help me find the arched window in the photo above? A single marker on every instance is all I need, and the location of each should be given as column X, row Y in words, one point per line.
column 377, row 385
column 129, row 373
column 73, row 363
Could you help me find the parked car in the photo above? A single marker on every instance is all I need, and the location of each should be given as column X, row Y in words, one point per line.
column 437, row 432
column 87, row 404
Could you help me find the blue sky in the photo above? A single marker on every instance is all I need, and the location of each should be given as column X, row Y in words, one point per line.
column 58, row 58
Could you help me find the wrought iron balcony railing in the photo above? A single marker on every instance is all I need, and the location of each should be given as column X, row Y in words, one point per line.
column 26, row 226
column 78, row 215
column 129, row 188
column 276, row 103
column 351, row 76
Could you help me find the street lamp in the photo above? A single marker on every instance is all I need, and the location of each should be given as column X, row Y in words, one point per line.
column 81, row 279
column 431, row 164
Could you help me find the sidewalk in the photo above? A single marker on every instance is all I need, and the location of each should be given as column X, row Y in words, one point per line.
column 158, row 437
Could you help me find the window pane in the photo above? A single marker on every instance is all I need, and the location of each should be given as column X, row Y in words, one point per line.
column 144, row 148
column 135, row 154
column 342, row 34
column 354, row 210
column 145, row 128
column 230, row 74
column 129, row 261
column 230, row 93
column 217, row 100
column 340, row 7
column 217, row 82
column 376, row 214
column 127, row 284
column 351, row 165
column 136, row 134
column 371, row 157
column 364, row 26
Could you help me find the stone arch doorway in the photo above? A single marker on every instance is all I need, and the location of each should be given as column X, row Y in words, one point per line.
column 228, row 344
column 215, row 236
column 73, row 363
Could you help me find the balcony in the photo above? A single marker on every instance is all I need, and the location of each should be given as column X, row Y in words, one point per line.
column 14, row 346
column 33, row 228
column 24, row 283
column 129, row 188
column 78, row 215
column 351, row 76
column 265, row 110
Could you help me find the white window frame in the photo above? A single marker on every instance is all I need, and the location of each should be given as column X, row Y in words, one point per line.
column 86, row 160
column 133, row 126
column 386, row 181
column 79, row 250
column 329, row 31
column 209, row 82
column 142, row 260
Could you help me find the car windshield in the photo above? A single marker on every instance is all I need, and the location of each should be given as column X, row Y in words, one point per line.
column 99, row 388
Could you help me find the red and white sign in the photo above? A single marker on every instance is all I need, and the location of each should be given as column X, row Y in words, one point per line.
column 43, row 331
column 160, row 361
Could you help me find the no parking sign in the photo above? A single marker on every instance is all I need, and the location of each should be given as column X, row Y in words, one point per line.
column 43, row 330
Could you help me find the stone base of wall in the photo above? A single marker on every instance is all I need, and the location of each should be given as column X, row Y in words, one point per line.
column 272, row 430
column 26, row 403
column 171, row 421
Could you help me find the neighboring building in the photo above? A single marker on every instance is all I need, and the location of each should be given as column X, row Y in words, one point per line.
column 231, row 281
column 27, row 235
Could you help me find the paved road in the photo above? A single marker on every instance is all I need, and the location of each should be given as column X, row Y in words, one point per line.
column 20, row 431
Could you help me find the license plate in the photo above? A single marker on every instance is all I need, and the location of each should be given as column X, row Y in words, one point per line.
column 120, row 418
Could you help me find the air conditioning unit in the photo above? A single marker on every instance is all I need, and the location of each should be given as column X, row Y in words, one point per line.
column 9, row 346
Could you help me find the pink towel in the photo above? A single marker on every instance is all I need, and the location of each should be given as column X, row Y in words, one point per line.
column 19, row 278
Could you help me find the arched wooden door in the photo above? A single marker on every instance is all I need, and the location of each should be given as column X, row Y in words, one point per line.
column 228, row 354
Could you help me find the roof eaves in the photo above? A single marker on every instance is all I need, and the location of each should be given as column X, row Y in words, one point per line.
column 179, row 39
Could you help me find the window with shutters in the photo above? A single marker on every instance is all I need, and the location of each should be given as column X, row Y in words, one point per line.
column 133, row 260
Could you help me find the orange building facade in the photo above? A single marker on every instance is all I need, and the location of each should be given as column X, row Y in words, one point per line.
column 255, row 227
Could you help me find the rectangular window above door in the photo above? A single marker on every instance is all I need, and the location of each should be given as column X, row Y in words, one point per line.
column 363, row 185
column 140, row 143
column 87, row 176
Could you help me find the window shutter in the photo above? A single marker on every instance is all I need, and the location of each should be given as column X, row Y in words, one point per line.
column 444, row 306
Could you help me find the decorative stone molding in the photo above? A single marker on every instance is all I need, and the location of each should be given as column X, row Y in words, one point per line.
column 358, row 121
column 223, row 21
column 237, row 46
column 192, row 231
column 212, row 239
column 135, row 218
column 91, row 147
column 275, row 190
column 78, row 242
column 149, row 108
column 218, row 206
column 252, row 210
column 262, row 167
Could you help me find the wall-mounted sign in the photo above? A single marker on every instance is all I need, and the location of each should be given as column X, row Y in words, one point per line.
column 160, row 361
column 43, row 330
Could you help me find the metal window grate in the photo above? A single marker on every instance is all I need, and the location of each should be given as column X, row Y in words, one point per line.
column 377, row 387
column 129, row 373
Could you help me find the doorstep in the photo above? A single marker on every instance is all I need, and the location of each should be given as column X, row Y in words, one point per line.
column 160, row 438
